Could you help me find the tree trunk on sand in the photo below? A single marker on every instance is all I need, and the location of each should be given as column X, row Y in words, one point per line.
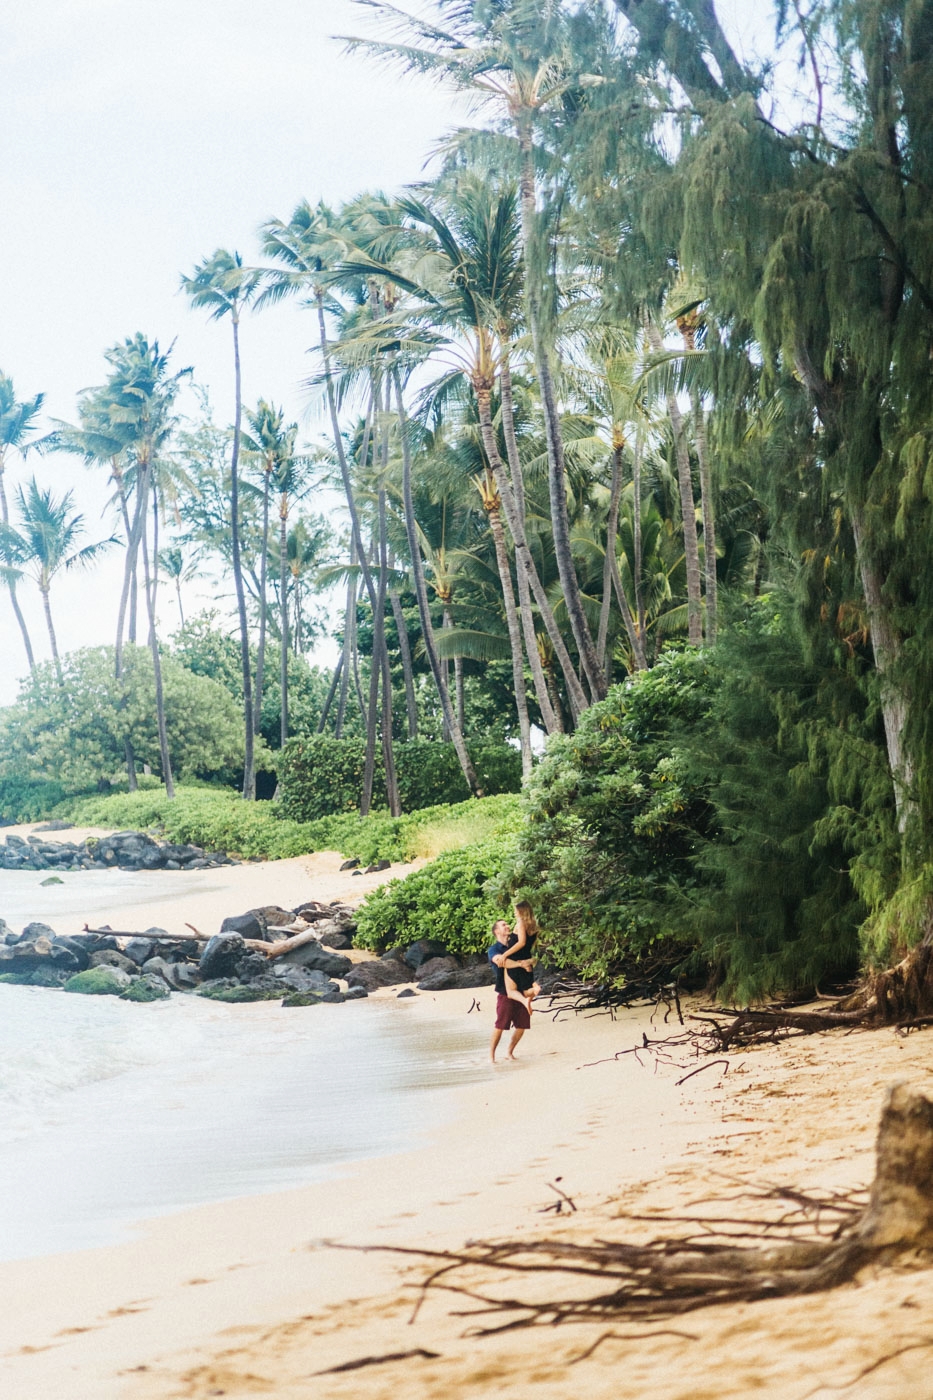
column 557, row 484
column 515, row 639
column 687, row 503
column 427, row 627
column 523, row 558
column 249, row 764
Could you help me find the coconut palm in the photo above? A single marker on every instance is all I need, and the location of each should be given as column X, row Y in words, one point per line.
column 46, row 542
column 270, row 447
column 17, row 424
column 180, row 568
column 224, row 287
column 519, row 57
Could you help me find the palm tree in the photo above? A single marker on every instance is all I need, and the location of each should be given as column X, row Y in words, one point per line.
column 46, row 542
column 492, row 503
column 518, row 56
column 270, row 445
column 180, row 569
column 135, row 407
column 225, row 287
column 17, row 422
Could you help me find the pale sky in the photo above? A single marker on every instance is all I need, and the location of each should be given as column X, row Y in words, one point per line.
column 136, row 136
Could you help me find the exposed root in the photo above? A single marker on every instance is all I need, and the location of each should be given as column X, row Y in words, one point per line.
column 815, row 1243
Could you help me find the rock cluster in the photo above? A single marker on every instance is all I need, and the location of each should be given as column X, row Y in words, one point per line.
column 124, row 850
column 233, row 965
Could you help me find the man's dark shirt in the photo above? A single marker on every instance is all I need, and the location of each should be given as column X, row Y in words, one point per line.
column 498, row 948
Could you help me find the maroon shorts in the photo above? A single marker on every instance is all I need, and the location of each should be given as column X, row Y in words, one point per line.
column 510, row 1012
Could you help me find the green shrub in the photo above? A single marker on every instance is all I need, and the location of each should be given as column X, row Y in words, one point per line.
column 613, row 820
column 22, row 800
column 451, row 899
column 448, row 900
column 321, row 776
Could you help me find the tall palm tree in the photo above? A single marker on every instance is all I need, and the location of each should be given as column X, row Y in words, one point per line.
column 270, row 446
column 17, row 424
column 223, row 286
column 180, row 568
column 467, row 264
column 46, row 542
column 519, row 57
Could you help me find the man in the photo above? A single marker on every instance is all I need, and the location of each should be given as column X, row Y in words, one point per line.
column 509, row 1013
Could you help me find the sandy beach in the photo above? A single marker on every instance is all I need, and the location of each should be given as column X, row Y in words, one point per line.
column 266, row 1294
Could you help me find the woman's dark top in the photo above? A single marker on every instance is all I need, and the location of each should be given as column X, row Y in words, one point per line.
column 523, row 979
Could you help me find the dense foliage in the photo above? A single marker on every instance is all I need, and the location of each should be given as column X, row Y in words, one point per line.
column 221, row 820
column 320, row 775
column 73, row 733
column 613, row 820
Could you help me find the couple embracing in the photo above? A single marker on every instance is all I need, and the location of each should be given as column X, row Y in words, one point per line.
column 513, row 954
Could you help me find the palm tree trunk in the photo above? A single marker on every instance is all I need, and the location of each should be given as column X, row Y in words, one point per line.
column 11, row 583
column 44, row 590
column 638, row 561
column 263, row 565
column 335, row 680
column 523, row 557
column 557, row 484
column 388, row 750
column 149, row 588
column 129, row 584
column 421, row 593
column 407, row 669
column 181, row 611
column 612, row 525
column 687, row 503
column 708, row 510
column 631, row 630
column 249, row 764
column 283, row 622
column 348, row 617
column 515, row 639
column 446, row 625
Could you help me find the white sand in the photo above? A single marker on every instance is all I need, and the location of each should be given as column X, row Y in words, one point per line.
column 252, row 1297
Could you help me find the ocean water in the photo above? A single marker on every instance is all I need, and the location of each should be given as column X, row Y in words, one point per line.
column 111, row 1112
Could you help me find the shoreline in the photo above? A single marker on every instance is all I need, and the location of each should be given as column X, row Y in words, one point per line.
column 258, row 1294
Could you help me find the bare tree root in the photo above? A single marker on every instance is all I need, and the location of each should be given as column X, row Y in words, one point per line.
column 713, row 1265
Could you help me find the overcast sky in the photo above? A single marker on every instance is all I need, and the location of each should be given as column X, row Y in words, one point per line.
column 136, row 136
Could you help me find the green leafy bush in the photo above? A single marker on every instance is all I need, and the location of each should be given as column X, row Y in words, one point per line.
column 612, row 821
column 448, row 900
column 321, row 776
column 73, row 734
column 22, row 800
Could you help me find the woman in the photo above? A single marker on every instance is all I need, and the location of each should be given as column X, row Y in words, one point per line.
column 518, row 962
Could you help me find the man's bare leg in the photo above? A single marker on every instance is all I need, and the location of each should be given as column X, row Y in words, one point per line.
column 517, row 1034
column 494, row 1044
